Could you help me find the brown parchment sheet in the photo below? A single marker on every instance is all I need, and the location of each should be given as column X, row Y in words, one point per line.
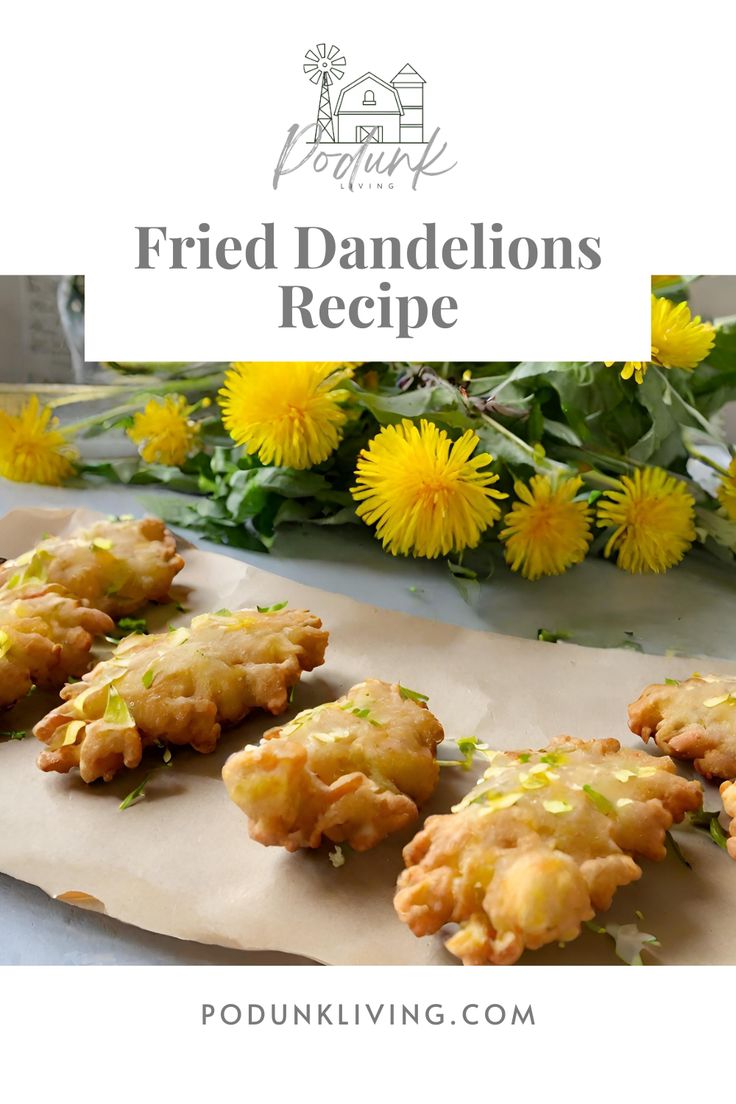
column 180, row 861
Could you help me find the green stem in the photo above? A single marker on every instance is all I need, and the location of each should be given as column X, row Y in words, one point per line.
column 707, row 460
column 539, row 463
column 137, row 398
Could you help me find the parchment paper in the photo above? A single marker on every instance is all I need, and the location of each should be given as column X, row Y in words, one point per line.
column 180, row 861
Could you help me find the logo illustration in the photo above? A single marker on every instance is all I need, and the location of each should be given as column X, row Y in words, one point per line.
column 369, row 109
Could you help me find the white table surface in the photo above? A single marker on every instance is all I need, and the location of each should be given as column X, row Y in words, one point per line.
column 691, row 610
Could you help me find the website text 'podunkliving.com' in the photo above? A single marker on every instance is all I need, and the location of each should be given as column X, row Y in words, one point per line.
column 366, row 1014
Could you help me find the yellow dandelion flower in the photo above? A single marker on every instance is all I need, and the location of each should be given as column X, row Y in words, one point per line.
column 289, row 412
column 546, row 532
column 32, row 447
column 727, row 491
column 678, row 340
column 425, row 493
column 653, row 515
column 164, row 432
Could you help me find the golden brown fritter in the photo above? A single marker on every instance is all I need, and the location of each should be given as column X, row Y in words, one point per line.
column 116, row 566
column 728, row 796
column 353, row 770
column 694, row 719
column 540, row 845
column 45, row 636
column 179, row 687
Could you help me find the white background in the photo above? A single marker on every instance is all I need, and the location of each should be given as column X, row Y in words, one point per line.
column 568, row 118
column 135, row 1034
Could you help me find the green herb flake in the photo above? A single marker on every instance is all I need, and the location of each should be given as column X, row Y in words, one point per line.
column 412, row 695
column 551, row 637
column 132, row 625
column 708, row 821
column 677, row 850
column 101, row 544
column 601, row 803
column 14, row 734
column 272, row 609
column 628, row 941
column 139, row 791
column 148, row 677
column 223, row 613
column 672, row 682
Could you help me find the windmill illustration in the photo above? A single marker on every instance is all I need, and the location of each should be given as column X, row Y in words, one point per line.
column 324, row 66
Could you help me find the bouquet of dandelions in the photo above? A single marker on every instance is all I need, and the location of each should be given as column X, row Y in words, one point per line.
column 540, row 464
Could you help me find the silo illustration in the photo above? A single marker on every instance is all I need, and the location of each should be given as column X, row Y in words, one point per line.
column 410, row 88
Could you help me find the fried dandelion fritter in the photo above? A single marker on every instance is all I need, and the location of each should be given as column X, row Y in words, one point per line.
column 694, row 719
column 45, row 637
column 179, row 687
column 353, row 770
column 728, row 796
column 539, row 846
column 116, row 566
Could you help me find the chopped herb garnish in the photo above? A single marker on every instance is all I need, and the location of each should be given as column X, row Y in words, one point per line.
column 272, row 609
column 101, row 544
column 140, row 789
column 133, row 624
column 628, row 940
column 467, row 746
column 181, row 608
column 677, row 850
column 223, row 612
column 148, row 678
column 551, row 637
column 14, row 734
column 709, row 822
column 412, row 695
column 601, row 803
column 672, row 682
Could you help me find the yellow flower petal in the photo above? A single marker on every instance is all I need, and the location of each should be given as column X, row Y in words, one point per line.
column 678, row 339
column 652, row 515
column 288, row 412
column 32, row 447
column 164, row 431
column 426, row 494
column 727, row 491
column 546, row 532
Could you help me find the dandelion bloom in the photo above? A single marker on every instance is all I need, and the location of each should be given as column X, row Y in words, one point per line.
column 653, row 514
column 164, row 432
column 678, row 340
column 727, row 491
column 546, row 532
column 32, row 447
column 289, row 412
column 425, row 493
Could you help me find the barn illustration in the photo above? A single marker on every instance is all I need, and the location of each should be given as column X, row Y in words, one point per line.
column 368, row 109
